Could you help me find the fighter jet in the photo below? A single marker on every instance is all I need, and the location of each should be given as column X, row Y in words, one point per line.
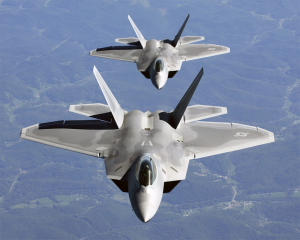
column 159, row 59
column 147, row 153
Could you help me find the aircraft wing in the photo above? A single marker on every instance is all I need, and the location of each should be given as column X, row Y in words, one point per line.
column 123, row 53
column 209, row 138
column 86, row 141
column 194, row 51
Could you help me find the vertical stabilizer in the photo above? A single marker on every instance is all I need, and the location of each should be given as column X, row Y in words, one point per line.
column 113, row 104
column 177, row 37
column 177, row 114
column 138, row 33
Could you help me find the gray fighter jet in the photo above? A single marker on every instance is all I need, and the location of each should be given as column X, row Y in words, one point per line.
column 147, row 154
column 159, row 59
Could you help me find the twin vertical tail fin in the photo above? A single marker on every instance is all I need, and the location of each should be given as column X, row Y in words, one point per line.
column 175, row 116
column 138, row 33
column 116, row 110
column 108, row 120
column 177, row 37
column 143, row 41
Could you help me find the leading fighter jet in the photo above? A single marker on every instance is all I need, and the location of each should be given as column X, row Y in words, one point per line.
column 147, row 154
column 159, row 59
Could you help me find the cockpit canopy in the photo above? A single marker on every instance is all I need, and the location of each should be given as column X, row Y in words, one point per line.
column 146, row 171
column 159, row 65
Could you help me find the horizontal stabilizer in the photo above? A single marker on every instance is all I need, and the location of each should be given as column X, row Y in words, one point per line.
column 128, row 40
column 200, row 112
column 89, row 110
column 112, row 102
column 190, row 39
column 94, row 110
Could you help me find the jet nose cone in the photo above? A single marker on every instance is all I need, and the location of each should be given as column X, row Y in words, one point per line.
column 147, row 211
column 159, row 82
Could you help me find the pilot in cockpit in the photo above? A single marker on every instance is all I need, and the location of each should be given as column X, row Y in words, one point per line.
column 146, row 173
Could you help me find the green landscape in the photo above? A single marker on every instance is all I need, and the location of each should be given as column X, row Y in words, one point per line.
column 49, row 193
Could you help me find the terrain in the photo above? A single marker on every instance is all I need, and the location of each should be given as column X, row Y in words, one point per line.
column 49, row 193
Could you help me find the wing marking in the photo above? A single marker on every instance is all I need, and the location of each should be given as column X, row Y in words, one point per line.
column 195, row 51
column 211, row 138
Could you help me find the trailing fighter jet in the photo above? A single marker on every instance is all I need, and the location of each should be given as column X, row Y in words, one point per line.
column 147, row 154
column 159, row 59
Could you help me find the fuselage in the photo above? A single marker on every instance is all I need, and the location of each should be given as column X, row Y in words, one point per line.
column 145, row 186
column 162, row 57
column 145, row 137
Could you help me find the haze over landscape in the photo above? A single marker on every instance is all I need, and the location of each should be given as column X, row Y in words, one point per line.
column 49, row 193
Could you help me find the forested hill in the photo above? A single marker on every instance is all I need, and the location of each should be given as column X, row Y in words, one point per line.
column 49, row 193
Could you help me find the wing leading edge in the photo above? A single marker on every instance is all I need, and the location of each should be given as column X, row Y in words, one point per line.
column 124, row 53
column 76, row 140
